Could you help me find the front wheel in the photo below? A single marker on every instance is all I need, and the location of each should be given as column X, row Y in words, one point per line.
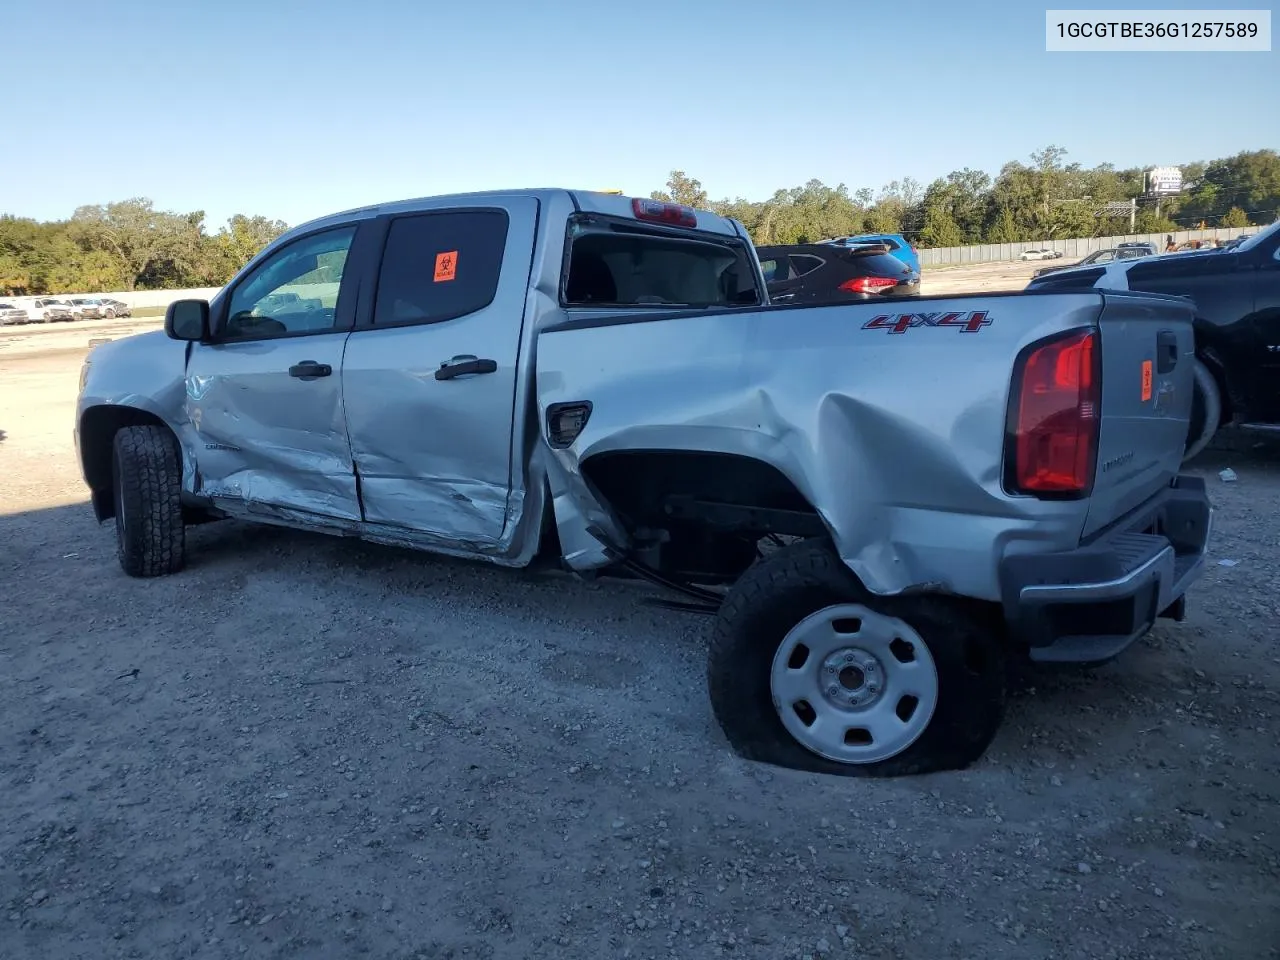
column 110, row 314
column 808, row 670
column 147, row 473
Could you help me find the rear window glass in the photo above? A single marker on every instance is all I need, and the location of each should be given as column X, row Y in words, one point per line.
column 624, row 266
column 1081, row 279
column 439, row 266
column 804, row 263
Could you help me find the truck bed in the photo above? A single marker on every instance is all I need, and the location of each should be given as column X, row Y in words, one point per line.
column 891, row 419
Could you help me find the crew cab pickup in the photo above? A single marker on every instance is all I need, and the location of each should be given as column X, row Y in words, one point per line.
column 1235, row 292
column 879, row 503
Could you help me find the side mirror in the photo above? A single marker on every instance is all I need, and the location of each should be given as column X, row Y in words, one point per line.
column 187, row 320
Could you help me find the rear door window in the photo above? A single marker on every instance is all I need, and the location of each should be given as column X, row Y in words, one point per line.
column 618, row 264
column 440, row 266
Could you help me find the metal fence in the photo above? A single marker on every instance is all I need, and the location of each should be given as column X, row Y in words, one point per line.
column 1072, row 249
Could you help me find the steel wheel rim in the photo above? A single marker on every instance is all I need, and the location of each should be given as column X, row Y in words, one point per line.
column 852, row 685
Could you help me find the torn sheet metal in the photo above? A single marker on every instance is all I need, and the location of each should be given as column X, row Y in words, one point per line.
column 896, row 440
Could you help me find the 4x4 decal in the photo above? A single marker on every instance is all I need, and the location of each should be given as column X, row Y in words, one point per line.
column 967, row 322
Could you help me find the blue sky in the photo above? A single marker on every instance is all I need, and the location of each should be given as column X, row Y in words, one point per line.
column 295, row 109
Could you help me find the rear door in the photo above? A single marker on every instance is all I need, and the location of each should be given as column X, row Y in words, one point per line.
column 429, row 376
column 1148, row 351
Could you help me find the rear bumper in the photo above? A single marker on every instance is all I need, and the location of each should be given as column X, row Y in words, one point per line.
column 1088, row 604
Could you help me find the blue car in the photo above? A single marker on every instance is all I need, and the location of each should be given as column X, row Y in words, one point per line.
column 897, row 243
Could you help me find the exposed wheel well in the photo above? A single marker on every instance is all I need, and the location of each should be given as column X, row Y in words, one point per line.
column 699, row 516
column 1206, row 334
column 98, row 427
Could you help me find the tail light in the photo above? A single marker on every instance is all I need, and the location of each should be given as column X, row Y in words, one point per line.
column 658, row 211
column 1052, row 447
column 868, row 284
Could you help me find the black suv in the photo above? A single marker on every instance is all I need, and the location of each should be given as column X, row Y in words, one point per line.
column 1236, row 290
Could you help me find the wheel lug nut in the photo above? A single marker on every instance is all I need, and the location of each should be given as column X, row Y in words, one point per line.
column 831, row 670
column 848, row 658
column 833, row 691
column 873, row 689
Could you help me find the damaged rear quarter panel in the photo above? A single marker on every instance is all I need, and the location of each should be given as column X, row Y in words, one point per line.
column 895, row 439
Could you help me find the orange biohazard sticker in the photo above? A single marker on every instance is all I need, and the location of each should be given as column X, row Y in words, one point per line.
column 446, row 266
column 1146, row 380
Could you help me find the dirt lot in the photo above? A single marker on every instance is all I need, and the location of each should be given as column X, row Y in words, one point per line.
column 303, row 747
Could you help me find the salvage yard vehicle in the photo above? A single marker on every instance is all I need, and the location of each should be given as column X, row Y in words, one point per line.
column 1042, row 253
column 1236, row 296
column 12, row 315
column 87, row 308
column 880, row 505
column 1122, row 252
column 831, row 273
column 49, row 309
column 898, row 246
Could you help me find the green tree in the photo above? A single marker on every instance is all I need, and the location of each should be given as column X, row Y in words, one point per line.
column 239, row 241
column 147, row 244
column 682, row 189
column 1235, row 217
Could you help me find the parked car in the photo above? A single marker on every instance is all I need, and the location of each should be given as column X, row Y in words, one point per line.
column 829, row 273
column 879, row 507
column 12, row 315
column 50, row 309
column 1122, row 252
column 1042, row 253
column 87, row 308
column 1236, row 291
column 896, row 242
column 1137, row 248
column 115, row 308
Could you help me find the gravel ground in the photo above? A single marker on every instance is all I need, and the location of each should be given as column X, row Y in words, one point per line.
column 305, row 747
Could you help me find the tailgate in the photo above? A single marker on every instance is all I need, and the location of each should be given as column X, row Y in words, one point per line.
column 1148, row 349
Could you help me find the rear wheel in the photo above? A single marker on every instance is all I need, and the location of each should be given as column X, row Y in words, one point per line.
column 147, row 473
column 808, row 670
column 1206, row 411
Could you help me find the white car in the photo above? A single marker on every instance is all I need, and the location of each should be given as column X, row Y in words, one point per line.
column 1041, row 254
column 12, row 314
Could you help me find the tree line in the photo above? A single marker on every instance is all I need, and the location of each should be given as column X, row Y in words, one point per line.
column 130, row 245
column 1046, row 199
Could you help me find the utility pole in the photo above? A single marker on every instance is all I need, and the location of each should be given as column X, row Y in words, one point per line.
column 1133, row 214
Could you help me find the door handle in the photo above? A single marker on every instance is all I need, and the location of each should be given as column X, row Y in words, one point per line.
column 1166, row 351
column 464, row 364
column 310, row 370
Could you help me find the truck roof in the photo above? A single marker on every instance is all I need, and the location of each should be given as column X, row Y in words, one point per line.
column 589, row 201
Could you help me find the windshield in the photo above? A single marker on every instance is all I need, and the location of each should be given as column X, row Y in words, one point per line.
column 1258, row 238
column 621, row 265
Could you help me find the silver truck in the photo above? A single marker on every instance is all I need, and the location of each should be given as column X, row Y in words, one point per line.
column 881, row 505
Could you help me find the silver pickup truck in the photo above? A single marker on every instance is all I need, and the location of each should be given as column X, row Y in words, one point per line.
column 881, row 504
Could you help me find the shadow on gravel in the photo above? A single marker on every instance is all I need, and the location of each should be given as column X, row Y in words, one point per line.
column 304, row 744
column 1233, row 447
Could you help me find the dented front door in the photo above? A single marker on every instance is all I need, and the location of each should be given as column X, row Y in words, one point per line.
column 265, row 397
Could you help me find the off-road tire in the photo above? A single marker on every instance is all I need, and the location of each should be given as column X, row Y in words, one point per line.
column 781, row 590
column 1206, row 412
column 147, row 478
